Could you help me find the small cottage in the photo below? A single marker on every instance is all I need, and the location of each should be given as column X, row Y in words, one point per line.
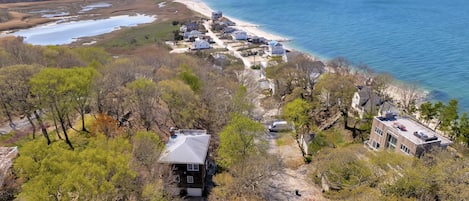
column 187, row 154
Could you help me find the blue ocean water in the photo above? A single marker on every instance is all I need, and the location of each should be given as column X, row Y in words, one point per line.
column 418, row 41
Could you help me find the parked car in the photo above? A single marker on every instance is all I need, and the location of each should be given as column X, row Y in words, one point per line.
column 279, row 126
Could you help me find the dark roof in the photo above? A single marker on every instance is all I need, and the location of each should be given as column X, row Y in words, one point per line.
column 368, row 98
column 388, row 107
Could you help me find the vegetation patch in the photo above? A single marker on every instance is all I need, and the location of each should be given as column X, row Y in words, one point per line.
column 142, row 35
column 285, row 138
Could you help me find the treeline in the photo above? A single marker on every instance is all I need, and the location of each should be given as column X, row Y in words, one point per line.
column 125, row 106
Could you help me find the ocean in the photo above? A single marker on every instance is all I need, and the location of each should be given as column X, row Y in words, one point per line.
column 423, row 42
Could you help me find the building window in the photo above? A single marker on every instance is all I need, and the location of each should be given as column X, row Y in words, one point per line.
column 405, row 149
column 190, row 179
column 378, row 131
column 192, row 167
column 375, row 145
column 391, row 142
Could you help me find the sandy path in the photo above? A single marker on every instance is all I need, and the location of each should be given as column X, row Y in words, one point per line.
column 284, row 185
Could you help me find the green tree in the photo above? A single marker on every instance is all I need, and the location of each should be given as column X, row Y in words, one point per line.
column 79, row 83
column 298, row 111
column 237, row 140
column 51, row 86
column 95, row 56
column 14, row 83
column 448, row 116
column 428, row 112
column 192, row 80
column 335, row 92
column 99, row 171
column 461, row 129
column 144, row 100
column 183, row 103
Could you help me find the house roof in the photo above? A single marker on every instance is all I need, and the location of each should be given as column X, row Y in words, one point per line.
column 201, row 42
column 186, row 147
column 368, row 98
column 388, row 107
column 408, row 127
column 275, row 43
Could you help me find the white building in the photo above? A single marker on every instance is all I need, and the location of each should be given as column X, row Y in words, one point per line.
column 276, row 48
column 239, row 35
column 200, row 44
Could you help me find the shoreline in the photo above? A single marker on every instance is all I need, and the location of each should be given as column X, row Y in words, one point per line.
column 252, row 29
column 394, row 90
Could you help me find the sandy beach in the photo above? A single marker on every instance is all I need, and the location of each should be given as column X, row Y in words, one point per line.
column 199, row 6
column 251, row 29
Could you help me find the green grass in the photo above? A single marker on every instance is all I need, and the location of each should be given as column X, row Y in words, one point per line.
column 142, row 35
column 284, row 138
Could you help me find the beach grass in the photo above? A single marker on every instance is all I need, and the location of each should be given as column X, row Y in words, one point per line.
column 141, row 36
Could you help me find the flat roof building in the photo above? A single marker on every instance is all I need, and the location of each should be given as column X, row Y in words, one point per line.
column 404, row 135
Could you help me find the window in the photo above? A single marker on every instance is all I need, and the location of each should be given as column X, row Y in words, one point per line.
column 391, row 142
column 375, row 145
column 405, row 149
column 378, row 131
column 192, row 167
column 190, row 179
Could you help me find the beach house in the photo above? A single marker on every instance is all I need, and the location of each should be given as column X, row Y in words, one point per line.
column 404, row 135
column 199, row 44
column 192, row 35
column 366, row 101
column 216, row 15
column 186, row 153
column 190, row 26
column 239, row 35
column 276, row 48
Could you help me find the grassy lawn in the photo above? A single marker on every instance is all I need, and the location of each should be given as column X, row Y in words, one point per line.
column 140, row 36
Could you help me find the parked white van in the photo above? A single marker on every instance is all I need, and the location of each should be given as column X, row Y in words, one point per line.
column 278, row 126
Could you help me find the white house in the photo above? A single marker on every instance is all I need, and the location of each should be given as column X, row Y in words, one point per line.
column 192, row 34
column 276, row 48
column 239, row 35
column 200, row 44
column 366, row 101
